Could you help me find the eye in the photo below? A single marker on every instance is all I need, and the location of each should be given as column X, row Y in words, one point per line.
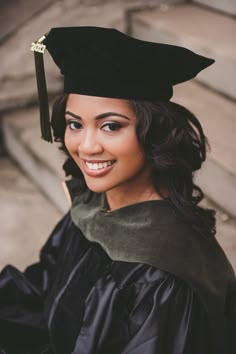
column 74, row 125
column 111, row 127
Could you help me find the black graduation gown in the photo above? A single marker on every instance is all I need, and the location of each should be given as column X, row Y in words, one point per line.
column 121, row 293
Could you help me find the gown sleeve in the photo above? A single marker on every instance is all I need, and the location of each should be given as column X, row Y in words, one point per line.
column 22, row 295
column 167, row 317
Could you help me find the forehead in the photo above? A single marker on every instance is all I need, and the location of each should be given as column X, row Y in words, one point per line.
column 82, row 103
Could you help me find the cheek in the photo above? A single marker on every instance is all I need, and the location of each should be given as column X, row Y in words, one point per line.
column 131, row 151
column 70, row 142
column 66, row 139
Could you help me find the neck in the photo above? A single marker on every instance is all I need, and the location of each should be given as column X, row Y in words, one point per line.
column 121, row 197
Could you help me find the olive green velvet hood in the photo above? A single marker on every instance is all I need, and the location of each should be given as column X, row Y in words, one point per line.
column 154, row 233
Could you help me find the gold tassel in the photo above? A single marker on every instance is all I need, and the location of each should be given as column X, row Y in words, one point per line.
column 38, row 48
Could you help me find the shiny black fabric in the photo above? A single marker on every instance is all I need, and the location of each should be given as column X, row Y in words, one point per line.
column 78, row 300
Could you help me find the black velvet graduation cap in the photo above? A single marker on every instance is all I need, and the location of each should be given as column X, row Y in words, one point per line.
column 105, row 62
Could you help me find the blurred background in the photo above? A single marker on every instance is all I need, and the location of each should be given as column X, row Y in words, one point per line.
column 32, row 197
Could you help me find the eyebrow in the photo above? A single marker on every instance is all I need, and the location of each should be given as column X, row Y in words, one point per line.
column 100, row 116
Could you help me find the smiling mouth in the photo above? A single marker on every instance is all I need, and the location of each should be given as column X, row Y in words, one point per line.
column 96, row 166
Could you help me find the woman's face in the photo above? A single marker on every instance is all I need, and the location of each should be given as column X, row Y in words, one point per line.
column 101, row 137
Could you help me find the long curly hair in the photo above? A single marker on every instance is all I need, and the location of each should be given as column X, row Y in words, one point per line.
column 174, row 144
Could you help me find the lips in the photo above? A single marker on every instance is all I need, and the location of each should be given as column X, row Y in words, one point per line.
column 98, row 165
column 97, row 168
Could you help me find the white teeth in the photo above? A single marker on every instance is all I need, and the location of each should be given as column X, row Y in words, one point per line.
column 99, row 165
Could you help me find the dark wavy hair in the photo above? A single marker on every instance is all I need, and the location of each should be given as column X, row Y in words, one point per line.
column 174, row 144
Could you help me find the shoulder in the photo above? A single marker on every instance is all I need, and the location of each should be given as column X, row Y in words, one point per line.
column 159, row 305
column 143, row 278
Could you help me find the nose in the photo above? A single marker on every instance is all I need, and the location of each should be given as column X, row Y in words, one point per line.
column 89, row 144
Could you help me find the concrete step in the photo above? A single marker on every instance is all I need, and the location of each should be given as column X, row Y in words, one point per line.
column 40, row 160
column 18, row 83
column 208, row 33
column 26, row 219
column 227, row 6
column 225, row 231
column 216, row 113
column 25, row 10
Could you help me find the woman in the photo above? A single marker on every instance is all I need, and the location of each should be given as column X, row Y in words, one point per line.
column 134, row 266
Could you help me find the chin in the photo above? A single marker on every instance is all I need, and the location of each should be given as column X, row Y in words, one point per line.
column 97, row 187
column 97, row 190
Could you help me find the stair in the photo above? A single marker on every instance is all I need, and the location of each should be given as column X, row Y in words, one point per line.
column 26, row 219
column 31, row 22
column 227, row 6
column 40, row 160
column 17, row 63
column 205, row 32
column 25, row 10
column 211, row 34
column 216, row 113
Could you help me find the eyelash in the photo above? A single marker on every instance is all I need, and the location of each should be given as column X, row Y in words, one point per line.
column 117, row 126
column 70, row 122
column 111, row 125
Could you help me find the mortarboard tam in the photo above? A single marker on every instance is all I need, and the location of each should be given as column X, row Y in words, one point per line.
column 105, row 62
